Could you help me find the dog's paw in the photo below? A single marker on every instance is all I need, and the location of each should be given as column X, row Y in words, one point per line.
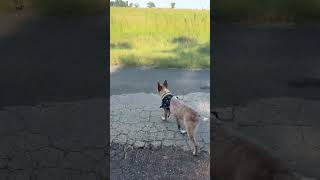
column 183, row 131
column 195, row 151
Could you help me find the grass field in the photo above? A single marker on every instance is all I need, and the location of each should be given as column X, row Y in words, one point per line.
column 160, row 37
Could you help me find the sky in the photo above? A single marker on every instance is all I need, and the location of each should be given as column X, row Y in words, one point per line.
column 180, row 4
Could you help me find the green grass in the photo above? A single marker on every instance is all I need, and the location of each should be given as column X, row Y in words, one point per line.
column 160, row 37
column 266, row 11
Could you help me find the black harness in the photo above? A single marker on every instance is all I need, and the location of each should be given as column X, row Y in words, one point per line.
column 165, row 104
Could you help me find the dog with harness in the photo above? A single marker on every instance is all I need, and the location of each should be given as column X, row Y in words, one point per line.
column 182, row 113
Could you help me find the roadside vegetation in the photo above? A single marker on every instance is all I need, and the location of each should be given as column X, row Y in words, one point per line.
column 160, row 37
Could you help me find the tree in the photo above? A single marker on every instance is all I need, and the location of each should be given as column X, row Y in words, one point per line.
column 131, row 5
column 136, row 5
column 119, row 3
column 173, row 4
column 151, row 4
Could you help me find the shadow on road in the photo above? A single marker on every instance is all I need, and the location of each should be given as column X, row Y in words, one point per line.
column 255, row 62
column 267, row 78
column 52, row 59
column 44, row 60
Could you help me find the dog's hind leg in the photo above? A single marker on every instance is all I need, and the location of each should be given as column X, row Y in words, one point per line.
column 191, row 130
column 179, row 127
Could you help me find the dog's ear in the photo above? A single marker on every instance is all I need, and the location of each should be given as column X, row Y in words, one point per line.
column 159, row 87
column 165, row 83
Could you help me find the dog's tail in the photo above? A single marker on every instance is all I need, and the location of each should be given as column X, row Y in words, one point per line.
column 203, row 118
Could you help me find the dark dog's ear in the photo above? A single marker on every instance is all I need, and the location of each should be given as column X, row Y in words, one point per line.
column 165, row 83
column 159, row 87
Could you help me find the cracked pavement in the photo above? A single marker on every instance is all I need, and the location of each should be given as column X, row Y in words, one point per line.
column 136, row 127
column 268, row 88
column 46, row 141
column 165, row 163
column 288, row 127
column 135, row 119
column 39, row 137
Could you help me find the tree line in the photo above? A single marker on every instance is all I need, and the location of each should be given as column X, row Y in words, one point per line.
column 121, row 3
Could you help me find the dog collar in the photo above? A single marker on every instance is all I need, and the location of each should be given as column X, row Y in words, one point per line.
column 166, row 94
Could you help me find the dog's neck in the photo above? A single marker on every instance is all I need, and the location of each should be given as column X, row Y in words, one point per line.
column 165, row 94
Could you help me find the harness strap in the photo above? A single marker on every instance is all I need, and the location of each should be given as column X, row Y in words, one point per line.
column 165, row 104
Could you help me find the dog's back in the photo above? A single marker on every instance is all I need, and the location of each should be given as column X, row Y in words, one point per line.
column 182, row 111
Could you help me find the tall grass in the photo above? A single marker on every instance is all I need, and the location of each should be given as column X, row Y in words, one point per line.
column 159, row 23
column 266, row 10
column 160, row 37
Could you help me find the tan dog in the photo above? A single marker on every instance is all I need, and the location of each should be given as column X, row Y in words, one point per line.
column 181, row 112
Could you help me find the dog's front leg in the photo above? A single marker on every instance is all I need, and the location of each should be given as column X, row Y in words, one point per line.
column 166, row 115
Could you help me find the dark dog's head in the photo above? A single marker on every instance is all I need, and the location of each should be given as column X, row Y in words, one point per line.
column 163, row 89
